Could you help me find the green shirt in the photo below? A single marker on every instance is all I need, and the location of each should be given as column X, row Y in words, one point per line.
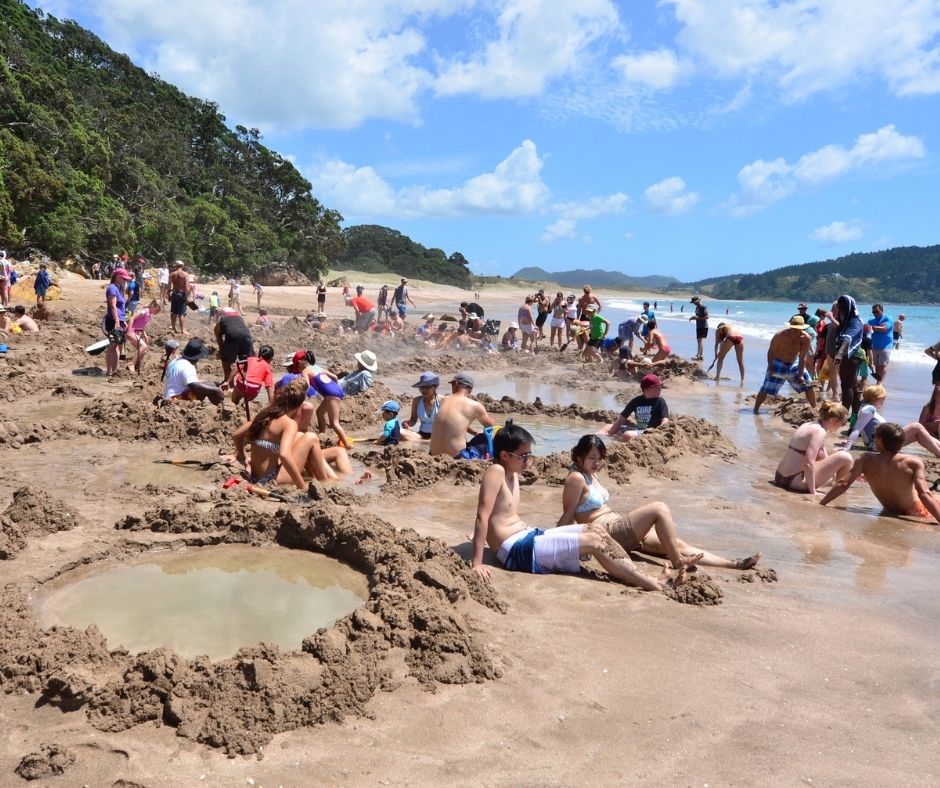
column 598, row 326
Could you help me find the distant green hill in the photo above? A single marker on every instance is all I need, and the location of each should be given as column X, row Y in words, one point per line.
column 903, row 275
column 376, row 249
column 596, row 278
column 97, row 156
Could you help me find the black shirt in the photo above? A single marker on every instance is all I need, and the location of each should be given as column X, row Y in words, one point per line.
column 648, row 412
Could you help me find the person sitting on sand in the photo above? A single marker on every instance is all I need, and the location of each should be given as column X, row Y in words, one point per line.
column 869, row 418
column 786, row 359
column 649, row 411
column 264, row 319
column 362, row 379
column 806, row 466
column 424, row 409
column 182, row 380
column 725, row 339
column 391, row 429
column 521, row 548
column 249, row 377
column 655, row 339
column 510, row 340
column 137, row 336
column 930, row 413
column 23, row 321
column 279, row 453
column 456, row 413
column 897, row 480
column 647, row 529
column 6, row 324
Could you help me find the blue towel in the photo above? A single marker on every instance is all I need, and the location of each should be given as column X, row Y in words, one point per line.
column 521, row 556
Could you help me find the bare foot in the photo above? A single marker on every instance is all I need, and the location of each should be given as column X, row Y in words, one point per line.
column 748, row 563
column 689, row 561
column 366, row 477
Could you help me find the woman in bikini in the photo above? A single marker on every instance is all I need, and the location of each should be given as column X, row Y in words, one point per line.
column 930, row 414
column 278, row 452
column 806, row 466
column 725, row 339
column 655, row 338
column 647, row 529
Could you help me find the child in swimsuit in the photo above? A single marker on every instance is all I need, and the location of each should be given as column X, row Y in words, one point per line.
column 806, row 466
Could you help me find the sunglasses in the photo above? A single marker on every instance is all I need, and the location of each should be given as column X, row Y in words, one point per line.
column 524, row 457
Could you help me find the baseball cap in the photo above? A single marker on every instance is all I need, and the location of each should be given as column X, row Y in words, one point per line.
column 391, row 406
column 649, row 381
column 590, row 308
column 123, row 273
column 296, row 358
column 464, row 379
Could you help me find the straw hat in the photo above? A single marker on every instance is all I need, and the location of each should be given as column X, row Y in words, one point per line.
column 368, row 359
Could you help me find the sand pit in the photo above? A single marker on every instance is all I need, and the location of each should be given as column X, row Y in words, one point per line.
column 414, row 625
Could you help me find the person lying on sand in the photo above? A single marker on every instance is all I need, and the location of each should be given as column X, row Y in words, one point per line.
column 647, row 529
column 454, row 417
column 648, row 409
column 279, row 453
column 182, row 380
column 897, row 480
column 806, row 466
column 521, row 548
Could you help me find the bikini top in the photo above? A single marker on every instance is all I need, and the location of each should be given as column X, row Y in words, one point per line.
column 271, row 446
column 427, row 419
column 596, row 496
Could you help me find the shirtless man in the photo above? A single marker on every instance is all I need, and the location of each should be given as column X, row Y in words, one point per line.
column 524, row 549
column 25, row 322
column 897, row 480
column 456, row 414
column 179, row 284
column 786, row 361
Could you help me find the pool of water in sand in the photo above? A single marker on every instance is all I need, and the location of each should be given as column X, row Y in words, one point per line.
column 206, row 601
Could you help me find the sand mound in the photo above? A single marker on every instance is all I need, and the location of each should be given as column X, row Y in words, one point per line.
column 698, row 589
column 408, row 470
column 414, row 624
column 538, row 408
column 32, row 514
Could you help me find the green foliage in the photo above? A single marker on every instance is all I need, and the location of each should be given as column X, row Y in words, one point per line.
column 904, row 275
column 97, row 156
column 377, row 249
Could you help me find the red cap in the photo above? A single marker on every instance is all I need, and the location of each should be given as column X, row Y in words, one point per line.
column 300, row 355
column 649, row 381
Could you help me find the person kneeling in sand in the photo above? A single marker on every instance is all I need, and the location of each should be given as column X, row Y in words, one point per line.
column 522, row 548
column 647, row 529
column 806, row 466
column 279, row 453
column 897, row 480
column 182, row 380
column 648, row 409
column 454, row 417
column 25, row 323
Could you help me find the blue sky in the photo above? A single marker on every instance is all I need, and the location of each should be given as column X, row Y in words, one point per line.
column 684, row 137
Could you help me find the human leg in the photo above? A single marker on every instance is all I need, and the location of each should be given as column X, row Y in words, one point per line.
column 836, row 466
column 917, row 432
column 338, row 457
column 332, row 406
column 656, row 517
column 594, row 540
column 739, row 353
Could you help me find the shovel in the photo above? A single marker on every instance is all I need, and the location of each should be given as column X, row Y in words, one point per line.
column 197, row 465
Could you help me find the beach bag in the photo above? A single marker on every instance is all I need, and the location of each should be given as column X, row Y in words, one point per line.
column 14, row 277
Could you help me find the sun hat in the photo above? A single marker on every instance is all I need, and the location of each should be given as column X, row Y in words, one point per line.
column 797, row 321
column 391, row 406
column 195, row 350
column 428, row 316
column 643, row 319
column 801, row 306
column 649, row 381
column 178, row 263
column 368, row 359
column 514, row 324
column 122, row 273
column 464, row 379
column 427, row 379
column 695, row 299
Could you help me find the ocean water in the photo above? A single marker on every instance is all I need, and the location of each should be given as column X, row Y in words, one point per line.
column 908, row 379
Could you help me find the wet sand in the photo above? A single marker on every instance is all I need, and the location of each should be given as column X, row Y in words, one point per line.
column 827, row 675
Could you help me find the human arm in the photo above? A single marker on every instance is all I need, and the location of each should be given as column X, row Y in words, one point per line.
column 413, row 418
column 571, row 496
column 218, row 334
column 113, row 309
column 240, row 437
column 923, row 492
column 882, row 328
column 858, row 468
column 606, row 326
column 865, row 415
column 485, row 418
column 816, row 441
column 933, row 351
column 486, row 499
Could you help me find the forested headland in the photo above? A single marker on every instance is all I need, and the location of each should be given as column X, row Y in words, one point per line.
column 903, row 275
column 97, row 156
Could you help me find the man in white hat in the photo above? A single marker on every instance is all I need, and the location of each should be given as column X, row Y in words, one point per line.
column 786, row 359
column 360, row 380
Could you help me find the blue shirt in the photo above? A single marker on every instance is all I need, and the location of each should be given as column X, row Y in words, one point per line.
column 650, row 315
column 391, row 433
column 882, row 340
column 117, row 293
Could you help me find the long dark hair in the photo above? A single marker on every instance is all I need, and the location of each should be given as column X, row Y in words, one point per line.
column 287, row 399
column 583, row 447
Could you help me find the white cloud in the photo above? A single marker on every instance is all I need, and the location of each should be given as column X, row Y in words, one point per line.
column 570, row 213
column 669, row 196
column 765, row 182
column 659, row 69
column 537, row 41
column 838, row 232
column 806, row 46
column 514, row 187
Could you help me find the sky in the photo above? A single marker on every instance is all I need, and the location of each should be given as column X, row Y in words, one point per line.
column 689, row 138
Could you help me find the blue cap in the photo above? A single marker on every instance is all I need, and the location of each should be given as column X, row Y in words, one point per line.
column 391, row 406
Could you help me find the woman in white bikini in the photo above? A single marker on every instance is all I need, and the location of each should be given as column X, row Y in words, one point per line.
column 647, row 529
column 806, row 466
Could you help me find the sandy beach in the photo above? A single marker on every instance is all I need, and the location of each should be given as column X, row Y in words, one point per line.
column 821, row 672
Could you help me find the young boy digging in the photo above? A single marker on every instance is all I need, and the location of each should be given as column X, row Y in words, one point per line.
column 521, row 548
